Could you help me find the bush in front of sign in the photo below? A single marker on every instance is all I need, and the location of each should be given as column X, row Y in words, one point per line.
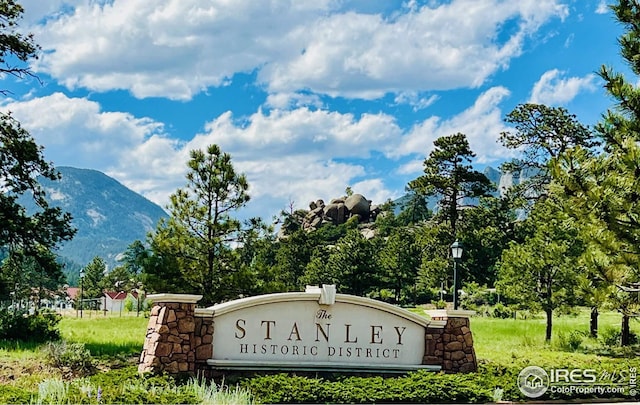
column 284, row 388
column 416, row 387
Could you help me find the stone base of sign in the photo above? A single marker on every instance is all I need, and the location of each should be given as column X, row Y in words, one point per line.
column 179, row 339
column 451, row 347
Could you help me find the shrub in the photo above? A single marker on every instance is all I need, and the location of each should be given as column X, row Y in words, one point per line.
column 476, row 295
column 129, row 304
column 492, row 382
column 425, row 295
column 415, row 387
column 613, row 337
column 10, row 394
column 20, row 325
column 128, row 387
column 502, row 311
column 53, row 391
column 74, row 357
column 441, row 304
column 570, row 342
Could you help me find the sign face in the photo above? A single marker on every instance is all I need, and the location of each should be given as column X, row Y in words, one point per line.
column 296, row 328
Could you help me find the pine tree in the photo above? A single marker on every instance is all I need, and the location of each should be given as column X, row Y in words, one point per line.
column 201, row 227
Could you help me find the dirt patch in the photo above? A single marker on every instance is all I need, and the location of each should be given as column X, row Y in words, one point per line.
column 24, row 371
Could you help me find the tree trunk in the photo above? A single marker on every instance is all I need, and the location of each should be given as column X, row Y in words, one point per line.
column 593, row 324
column 624, row 339
column 549, row 306
column 549, row 312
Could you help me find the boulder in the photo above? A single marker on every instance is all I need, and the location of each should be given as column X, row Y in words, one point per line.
column 315, row 223
column 368, row 233
column 331, row 212
column 342, row 213
column 337, row 212
column 358, row 205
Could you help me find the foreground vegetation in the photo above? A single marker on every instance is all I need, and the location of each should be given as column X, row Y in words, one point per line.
column 98, row 365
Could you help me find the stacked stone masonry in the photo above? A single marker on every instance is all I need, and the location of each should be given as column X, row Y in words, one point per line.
column 176, row 340
column 451, row 347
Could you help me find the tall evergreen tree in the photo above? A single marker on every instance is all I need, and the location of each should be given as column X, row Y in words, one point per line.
column 354, row 263
column 400, row 259
column 541, row 272
column 92, row 282
column 28, row 237
column 541, row 134
column 449, row 175
column 604, row 188
column 486, row 230
column 201, row 227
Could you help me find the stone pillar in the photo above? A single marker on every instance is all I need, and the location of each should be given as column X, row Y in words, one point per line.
column 171, row 335
column 450, row 346
column 433, row 346
column 203, row 340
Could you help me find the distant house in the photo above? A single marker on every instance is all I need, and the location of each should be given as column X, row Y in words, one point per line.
column 56, row 300
column 115, row 301
column 73, row 292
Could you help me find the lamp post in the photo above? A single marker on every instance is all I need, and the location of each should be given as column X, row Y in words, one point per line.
column 456, row 253
column 138, row 290
column 81, row 280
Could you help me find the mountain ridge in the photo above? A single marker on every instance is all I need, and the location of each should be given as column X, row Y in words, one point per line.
column 108, row 215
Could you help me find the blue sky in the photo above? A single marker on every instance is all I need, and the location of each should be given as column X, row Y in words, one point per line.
column 308, row 97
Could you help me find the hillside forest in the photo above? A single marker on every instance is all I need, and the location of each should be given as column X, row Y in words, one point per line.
column 569, row 235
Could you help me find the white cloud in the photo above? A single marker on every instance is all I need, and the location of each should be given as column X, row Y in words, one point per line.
column 481, row 123
column 166, row 48
column 374, row 190
column 37, row 10
column 299, row 155
column 77, row 132
column 286, row 101
column 319, row 133
column 554, row 88
column 292, row 154
column 366, row 56
column 285, row 154
column 569, row 40
column 178, row 48
column 414, row 100
column 411, row 167
column 603, row 8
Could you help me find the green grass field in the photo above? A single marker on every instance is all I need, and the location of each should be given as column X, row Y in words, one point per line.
column 498, row 339
column 106, row 336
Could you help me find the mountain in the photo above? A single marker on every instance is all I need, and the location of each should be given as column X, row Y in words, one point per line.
column 108, row 216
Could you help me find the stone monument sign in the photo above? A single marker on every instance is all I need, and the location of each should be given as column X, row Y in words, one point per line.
column 312, row 330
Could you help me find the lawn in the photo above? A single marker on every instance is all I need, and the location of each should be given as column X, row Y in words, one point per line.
column 502, row 339
column 107, row 336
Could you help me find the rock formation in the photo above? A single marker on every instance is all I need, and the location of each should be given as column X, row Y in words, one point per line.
column 339, row 211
